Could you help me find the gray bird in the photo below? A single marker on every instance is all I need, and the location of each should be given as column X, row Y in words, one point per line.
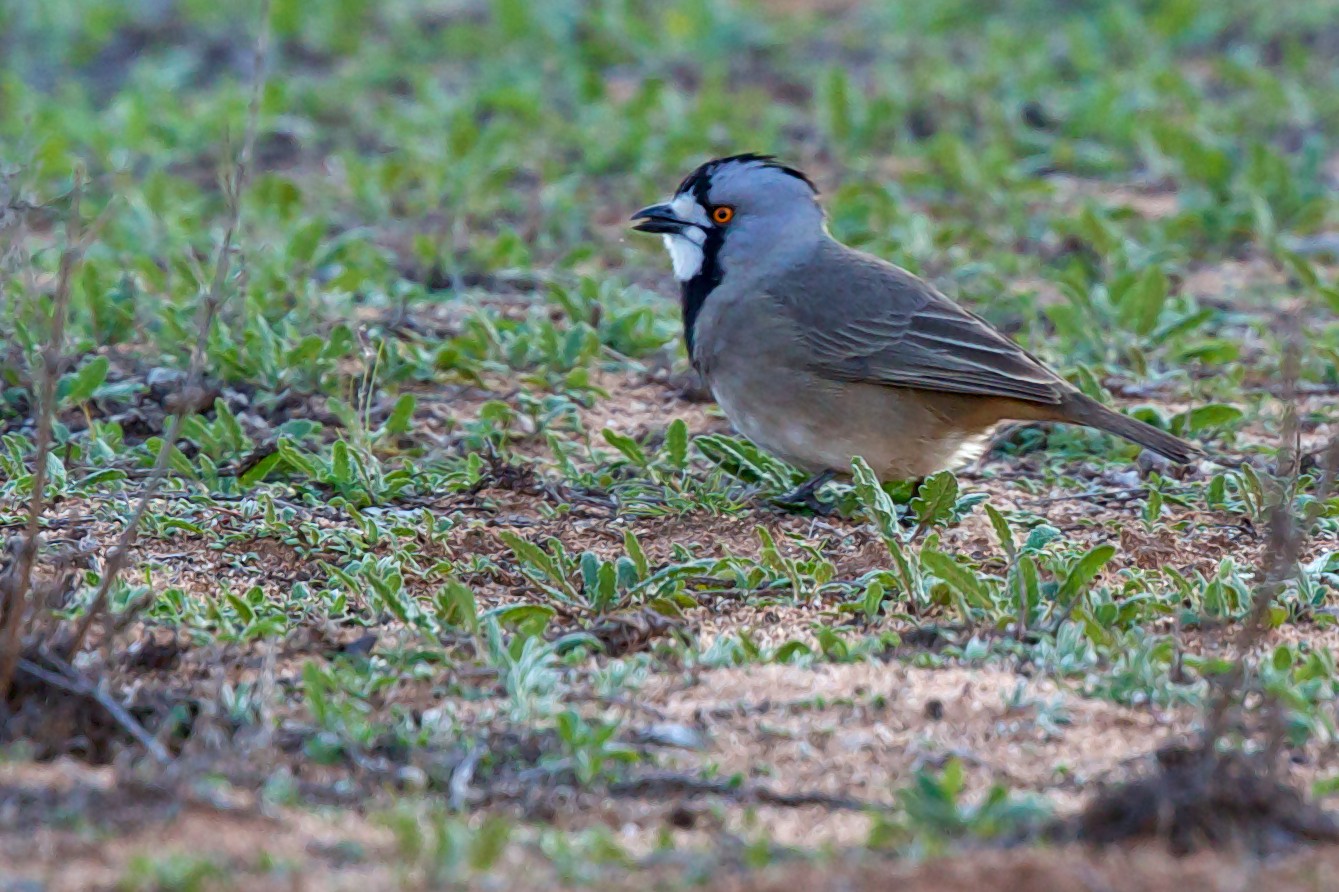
column 818, row 352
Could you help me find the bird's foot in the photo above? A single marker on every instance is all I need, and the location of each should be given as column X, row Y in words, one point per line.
column 806, row 495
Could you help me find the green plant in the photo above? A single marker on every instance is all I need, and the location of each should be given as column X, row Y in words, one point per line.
column 934, row 810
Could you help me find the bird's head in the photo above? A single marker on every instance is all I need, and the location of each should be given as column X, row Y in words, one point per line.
column 741, row 211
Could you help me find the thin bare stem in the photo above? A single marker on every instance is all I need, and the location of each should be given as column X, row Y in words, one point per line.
column 15, row 594
column 1285, row 537
column 69, row 681
column 233, row 183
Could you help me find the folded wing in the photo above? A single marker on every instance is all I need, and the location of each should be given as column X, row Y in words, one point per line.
column 867, row 321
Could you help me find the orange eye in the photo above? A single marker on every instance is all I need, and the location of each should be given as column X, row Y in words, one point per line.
column 723, row 214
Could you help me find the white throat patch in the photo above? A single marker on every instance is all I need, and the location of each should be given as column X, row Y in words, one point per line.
column 685, row 249
column 685, row 254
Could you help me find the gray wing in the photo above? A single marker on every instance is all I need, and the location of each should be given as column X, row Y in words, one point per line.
column 869, row 321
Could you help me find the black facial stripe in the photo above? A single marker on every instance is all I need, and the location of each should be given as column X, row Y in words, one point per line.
column 694, row 292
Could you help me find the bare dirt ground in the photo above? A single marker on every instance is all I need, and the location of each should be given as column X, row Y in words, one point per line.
column 850, row 732
column 345, row 853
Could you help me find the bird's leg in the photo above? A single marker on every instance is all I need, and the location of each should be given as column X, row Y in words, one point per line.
column 806, row 494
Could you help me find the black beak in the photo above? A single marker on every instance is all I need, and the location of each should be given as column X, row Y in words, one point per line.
column 659, row 218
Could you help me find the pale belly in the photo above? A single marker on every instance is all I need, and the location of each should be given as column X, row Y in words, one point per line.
column 820, row 426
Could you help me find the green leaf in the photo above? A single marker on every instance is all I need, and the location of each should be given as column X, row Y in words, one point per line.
column 535, row 561
column 1153, row 506
column 1211, row 417
column 526, row 551
column 1325, row 786
column 102, row 477
column 341, row 468
column 606, row 587
column 874, row 500
column 1002, row 531
column 958, row 577
column 1278, row 615
column 790, row 650
column 244, row 610
column 590, row 564
column 838, row 104
column 908, row 573
column 306, row 351
column 392, row 595
column 397, row 423
column 1089, row 383
column 227, row 422
column 512, row 615
column 345, row 578
column 872, row 599
column 676, row 444
column 456, row 605
column 964, row 505
column 770, row 555
column 1142, row 303
column 1084, row 571
column 626, row 576
column 635, row 553
column 935, row 499
column 1039, row 537
column 1026, row 583
column 626, row 445
column 953, row 778
column 260, row 470
column 833, row 645
column 298, row 460
column 489, row 842
column 84, row 382
column 744, row 460
column 665, row 607
column 178, row 462
column 177, row 523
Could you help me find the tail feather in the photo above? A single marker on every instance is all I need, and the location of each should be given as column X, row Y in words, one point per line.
column 1080, row 409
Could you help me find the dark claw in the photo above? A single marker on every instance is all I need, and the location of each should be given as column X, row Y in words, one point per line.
column 806, row 495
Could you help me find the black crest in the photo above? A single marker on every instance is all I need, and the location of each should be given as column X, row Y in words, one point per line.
column 699, row 181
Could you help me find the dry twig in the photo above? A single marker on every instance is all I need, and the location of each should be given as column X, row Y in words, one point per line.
column 233, row 183
column 670, row 783
column 1286, row 536
column 69, row 681
column 14, row 586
